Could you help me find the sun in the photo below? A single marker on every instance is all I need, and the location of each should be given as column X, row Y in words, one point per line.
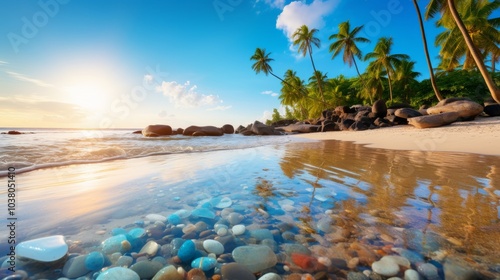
column 88, row 96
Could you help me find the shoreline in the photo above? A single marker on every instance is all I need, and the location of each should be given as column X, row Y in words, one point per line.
column 480, row 136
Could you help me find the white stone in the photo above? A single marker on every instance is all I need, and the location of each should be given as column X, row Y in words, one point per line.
column 385, row 267
column 45, row 249
column 239, row 229
column 156, row 218
column 121, row 273
column 213, row 246
column 224, row 203
column 401, row 261
column 270, row 276
column 411, row 274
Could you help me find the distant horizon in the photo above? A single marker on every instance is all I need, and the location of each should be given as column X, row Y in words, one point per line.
column 77, row 64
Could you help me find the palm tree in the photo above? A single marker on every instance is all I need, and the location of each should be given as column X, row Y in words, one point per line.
column 405, row 76
column 305, row 39
column 384, row 60
column 292, row 93
column 482, row 30
column 261, row 64
column 373, row 86
column 447, row 8
column 426, row 50
column 346, row 40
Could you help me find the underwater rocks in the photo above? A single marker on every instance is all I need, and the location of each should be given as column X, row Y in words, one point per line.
column 45, row 249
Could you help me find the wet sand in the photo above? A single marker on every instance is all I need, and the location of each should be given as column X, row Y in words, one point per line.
column 481, row 136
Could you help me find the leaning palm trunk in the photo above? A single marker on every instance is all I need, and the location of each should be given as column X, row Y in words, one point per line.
column 429, row 64
column 390, row 84
column 319, row 83
column 494, row 90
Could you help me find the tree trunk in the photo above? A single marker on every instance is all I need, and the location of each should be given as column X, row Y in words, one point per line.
column 494, row 90
column 429, row 64
column 355, row 65
column 319, row 83
column 390, row 84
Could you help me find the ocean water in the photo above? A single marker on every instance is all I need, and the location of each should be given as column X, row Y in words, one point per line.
column 336, row 199
column 43, row 148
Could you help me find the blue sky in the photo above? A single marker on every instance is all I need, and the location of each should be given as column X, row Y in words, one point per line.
column 130, row 63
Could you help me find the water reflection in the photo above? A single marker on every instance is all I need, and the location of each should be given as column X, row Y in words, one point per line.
column 454, row 196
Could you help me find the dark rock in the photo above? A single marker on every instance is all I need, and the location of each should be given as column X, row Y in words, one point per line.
column 300, row 128
column 434, row 120
column 137, row 132
column 259, row 128
column 326, row 114
column 346, row 124
column 14, row 132
column 381, row 122
column 179, row 131
column 283, row 123
column 380, row 108
column 455, row 268
column 359, row 126
column 329, row 126
column 203, row 131
column 360, row 115
column 492, row 110
column 391, row 112
column 467, row 109
column 227, row 129
column 157, row 130
column 395, row 120
column 407, row 113
column 239, row 129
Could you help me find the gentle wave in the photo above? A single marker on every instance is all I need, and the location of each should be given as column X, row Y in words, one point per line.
column 47, row 150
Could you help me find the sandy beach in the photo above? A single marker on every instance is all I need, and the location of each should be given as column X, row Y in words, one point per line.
column 481, row 136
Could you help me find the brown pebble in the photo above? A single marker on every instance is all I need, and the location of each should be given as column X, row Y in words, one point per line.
column 294, row 276
column 196, row 274
column 216, row 277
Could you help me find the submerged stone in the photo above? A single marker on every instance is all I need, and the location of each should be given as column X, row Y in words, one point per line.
column 146, row 269
column 75, row 267
column 45, row 249
column 168, row 273
column 94, row 261
column 187, row 251
column 213, row 246
column 255, row 258
column 121, row 273
column 203, row 213
column 113, row 244
column 236, row 271
column 204, row 263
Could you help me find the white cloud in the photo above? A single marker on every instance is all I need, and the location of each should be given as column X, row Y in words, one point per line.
column 298, row 13
column 3, row 62
column 269, row 92
column 185, row 95
column 24, row 78
column 220, row 108
column 148, row 78
column 279, row 4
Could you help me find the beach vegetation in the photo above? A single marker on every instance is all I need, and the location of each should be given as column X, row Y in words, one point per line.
column 469, row 39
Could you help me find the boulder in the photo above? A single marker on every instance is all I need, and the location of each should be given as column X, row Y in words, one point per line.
column 178, row 131
column 466, row 109
column 300, row 128
column 137, row 132
column 259, row 128
column 227, row 129
column 380, row 108
column 329, row 126
column 451, row 100
column 239, row 129
column 395, row 120
column 492, row 110
column 346, row 124
column 14, row 132
column 203, row 131
column 407, row 113
column 157, row 130
column 359, row 126
column 434, row 120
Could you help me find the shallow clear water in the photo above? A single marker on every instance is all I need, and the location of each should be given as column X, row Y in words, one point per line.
column 433, row 204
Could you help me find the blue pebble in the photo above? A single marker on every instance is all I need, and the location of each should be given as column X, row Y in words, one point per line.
column 94, row 261
column 203, row 213
column 136, row 233
column 187, row 251
column 174, row 219
column 204, row 263
column 118, row 231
